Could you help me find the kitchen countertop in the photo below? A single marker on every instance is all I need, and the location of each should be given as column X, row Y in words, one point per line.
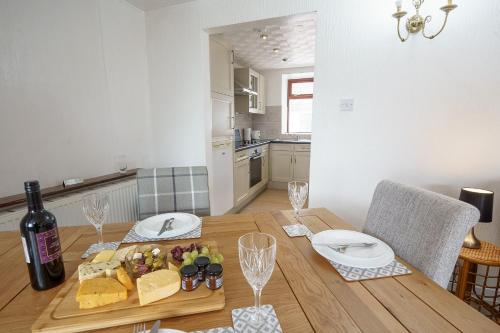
column 267, row 141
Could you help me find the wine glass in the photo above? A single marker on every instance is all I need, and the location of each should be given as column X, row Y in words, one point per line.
column 96, row 208
column 257, row 252
column 121, row 163
column 297, row 193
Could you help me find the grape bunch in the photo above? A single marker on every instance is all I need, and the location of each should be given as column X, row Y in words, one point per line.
column 187, row 255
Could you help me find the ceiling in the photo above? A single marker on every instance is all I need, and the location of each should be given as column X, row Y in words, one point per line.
column 294, row 36
column 155, row 4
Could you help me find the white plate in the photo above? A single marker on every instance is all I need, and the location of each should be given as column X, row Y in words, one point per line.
column 169, row 330
column 370, row 257
column 183, row 223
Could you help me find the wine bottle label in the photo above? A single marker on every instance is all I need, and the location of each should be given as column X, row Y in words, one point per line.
column 25, row 248
column 49, row 247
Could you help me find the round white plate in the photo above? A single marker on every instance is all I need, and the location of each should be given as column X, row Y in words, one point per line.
column 182, row 224
column 169, row 330
column 371, row 257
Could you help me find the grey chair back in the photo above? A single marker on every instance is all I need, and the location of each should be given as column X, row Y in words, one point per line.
column 424, row 228
column 178, row 189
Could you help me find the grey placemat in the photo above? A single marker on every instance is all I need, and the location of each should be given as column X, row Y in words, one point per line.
column 94, row 248
column 349, row 273
column 217, row 330
column 133, row 237
column 242, row 320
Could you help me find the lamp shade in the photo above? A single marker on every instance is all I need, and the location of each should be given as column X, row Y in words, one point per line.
column 481, row 199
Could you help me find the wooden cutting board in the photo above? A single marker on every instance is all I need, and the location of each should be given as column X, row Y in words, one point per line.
column 63, row 314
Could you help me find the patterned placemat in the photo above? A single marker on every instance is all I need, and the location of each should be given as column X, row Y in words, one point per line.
column 296, row 230
column 242, row 320
column 349, row 273
column 133, row 237
column 217, row 330
column 94, row 248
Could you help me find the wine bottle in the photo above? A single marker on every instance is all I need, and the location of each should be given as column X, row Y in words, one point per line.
column 40, row 240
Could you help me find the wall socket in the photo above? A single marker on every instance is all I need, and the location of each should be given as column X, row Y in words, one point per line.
column 347, row 104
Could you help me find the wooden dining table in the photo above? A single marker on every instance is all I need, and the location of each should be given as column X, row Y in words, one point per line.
column 306, row 292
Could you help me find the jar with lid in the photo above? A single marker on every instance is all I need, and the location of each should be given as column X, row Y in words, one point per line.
column 201, row 264
column 189, row 277
column 214, row 276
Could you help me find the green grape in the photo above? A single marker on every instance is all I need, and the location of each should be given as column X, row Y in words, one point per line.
column 186, row 255
column 215, row 260
column 194, row 254
column 205, row 250
column 220, row 257
column 187, row 261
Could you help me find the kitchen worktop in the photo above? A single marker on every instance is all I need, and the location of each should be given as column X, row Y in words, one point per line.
column 239, row 145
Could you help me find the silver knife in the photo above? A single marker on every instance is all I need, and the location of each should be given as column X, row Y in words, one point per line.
column 155, row 327
column 164, row 226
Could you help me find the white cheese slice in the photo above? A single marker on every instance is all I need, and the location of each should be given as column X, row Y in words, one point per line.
column 94, row 270
column 156, row 285
column 121, row 254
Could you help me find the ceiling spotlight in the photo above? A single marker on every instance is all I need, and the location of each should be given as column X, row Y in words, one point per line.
column 263, row 36
column 284, row 59
column 276, row 50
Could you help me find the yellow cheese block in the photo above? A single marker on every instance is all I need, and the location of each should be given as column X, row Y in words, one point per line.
column 124, row 278
column 104, row 256
column 156, row 285
column 100, row 291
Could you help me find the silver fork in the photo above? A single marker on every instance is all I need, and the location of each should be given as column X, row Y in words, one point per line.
column 139, row 328
column 343, row 247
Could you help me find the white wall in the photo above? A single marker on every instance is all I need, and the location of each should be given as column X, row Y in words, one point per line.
column 426, row 112
column 73, row 90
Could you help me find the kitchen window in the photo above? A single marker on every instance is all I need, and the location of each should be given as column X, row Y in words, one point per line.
column 299, row 105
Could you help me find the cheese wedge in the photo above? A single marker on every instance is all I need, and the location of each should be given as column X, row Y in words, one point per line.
column 104, row 256
column 124, row 278
column 121, row 254
column 172, row 267
column 100, row 291
column 156, row 285
column 111, row 273
column 89, row 270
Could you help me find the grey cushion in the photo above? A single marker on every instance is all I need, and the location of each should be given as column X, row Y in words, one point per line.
column 424, row 228
column 180, row 189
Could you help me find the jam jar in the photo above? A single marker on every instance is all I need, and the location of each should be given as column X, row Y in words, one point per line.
column 214, row 278
column 189, row 277
column 201, row 264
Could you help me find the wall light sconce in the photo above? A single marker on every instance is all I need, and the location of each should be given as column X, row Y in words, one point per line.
column 417, row 23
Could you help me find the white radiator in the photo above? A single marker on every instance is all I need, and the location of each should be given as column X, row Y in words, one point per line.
column 68, row 209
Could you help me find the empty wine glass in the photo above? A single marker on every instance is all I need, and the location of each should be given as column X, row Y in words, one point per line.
column 257, row 252
column 297, row 193
column 96, row 208
column 121, row 163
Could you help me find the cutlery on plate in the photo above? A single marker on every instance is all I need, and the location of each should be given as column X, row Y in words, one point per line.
column 166, row 224
column 155, row 327
column 139, row 328
column 341, row 247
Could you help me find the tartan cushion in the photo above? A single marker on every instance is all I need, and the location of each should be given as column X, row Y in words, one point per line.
column 179, row 189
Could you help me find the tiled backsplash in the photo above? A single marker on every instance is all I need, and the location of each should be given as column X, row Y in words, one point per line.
column 269, row 124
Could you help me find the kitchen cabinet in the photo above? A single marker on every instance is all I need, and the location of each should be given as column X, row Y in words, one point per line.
column 250, row 91
column 221, row 67
column 290, row 162
column 241, row 179
column 261, row 98
column 222, row 115
column 265, row 165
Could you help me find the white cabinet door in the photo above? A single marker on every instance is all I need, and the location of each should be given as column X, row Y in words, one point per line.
column 262, row 94
column 281, row 166
column 301, row 161
column 222, row 198
column 242, row 180
column 221, row 68
column 265, row 167
column 222, row 115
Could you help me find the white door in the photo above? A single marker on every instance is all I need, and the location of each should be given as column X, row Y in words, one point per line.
column 222, row 115
column 281, row 166
column 301, row 161
column 222, row 199
column 242, row 180
column 221, row 68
